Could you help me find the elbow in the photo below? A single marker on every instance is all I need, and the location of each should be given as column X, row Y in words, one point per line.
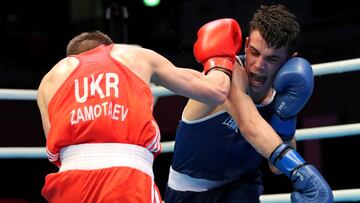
column 218, row 98
column 220, row 95
column 219, row 90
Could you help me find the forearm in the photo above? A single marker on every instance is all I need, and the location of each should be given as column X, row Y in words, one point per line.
column 262, row 137
column 252, row 126
column 212, row 88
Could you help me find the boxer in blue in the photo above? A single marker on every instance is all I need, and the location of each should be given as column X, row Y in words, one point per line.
column 219, row 148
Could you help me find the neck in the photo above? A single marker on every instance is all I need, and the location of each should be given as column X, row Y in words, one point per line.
column 262, row 97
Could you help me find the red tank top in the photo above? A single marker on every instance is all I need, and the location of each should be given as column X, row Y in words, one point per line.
column 101, row 101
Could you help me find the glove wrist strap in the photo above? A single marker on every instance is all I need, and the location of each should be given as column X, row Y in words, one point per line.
column 286, row 159
column 219, row 63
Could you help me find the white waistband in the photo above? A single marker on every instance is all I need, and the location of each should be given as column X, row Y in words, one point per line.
column 105, row 155
column 183, row 182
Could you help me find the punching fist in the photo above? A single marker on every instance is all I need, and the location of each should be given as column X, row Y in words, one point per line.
column 217, row 44
column 294, row 85
column 309, row 185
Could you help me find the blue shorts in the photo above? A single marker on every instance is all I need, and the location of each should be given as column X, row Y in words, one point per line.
column 244, row 191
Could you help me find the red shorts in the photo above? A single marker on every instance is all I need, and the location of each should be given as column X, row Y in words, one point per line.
column 84, row 181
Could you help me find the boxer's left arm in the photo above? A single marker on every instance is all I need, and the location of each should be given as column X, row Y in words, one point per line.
column 47, row 88
column 50, row 83
column 294, row 85
column 40, row 98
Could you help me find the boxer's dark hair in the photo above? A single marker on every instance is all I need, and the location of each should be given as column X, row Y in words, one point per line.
column 277, row 25
column 87, row 41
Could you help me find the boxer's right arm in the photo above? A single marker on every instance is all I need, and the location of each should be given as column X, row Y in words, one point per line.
column 252, row 125
column 309, row 185
column 307, row 181
column 211, row 89
column 217, row 45
column 215, row 48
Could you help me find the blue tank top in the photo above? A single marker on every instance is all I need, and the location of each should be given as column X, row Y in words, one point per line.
column 213, row 148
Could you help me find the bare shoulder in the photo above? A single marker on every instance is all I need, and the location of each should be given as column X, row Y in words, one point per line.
column 60, row 70
column 55, row 77
column 126, row 54
column 125, row 48
column 136, row 59
column 65, row 66
column 132, row 51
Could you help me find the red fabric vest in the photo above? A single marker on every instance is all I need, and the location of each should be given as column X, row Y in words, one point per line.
column 101, row 101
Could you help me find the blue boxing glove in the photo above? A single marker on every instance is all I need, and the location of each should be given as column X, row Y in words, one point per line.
column 309, row 185
column 294, row 84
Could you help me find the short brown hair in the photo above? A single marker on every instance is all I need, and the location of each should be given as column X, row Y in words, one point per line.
column 277, row 25
column 86, row 41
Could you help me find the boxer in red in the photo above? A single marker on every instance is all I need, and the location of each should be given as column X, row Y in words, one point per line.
column 96, row 108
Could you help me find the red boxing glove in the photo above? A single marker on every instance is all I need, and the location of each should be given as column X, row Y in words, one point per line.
column 217, row 44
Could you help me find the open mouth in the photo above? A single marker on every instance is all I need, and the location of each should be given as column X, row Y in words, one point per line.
column 257, row 80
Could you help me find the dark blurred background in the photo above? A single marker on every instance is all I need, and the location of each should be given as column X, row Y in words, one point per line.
column 34, row 35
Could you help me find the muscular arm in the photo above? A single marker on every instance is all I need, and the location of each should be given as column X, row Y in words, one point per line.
column 308, row 183
column 217, row 43
column 251, row 124
column 43, row 107
column 211, row 88
column 50, row 83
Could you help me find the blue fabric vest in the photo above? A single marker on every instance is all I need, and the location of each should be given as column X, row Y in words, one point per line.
column 214, row 148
